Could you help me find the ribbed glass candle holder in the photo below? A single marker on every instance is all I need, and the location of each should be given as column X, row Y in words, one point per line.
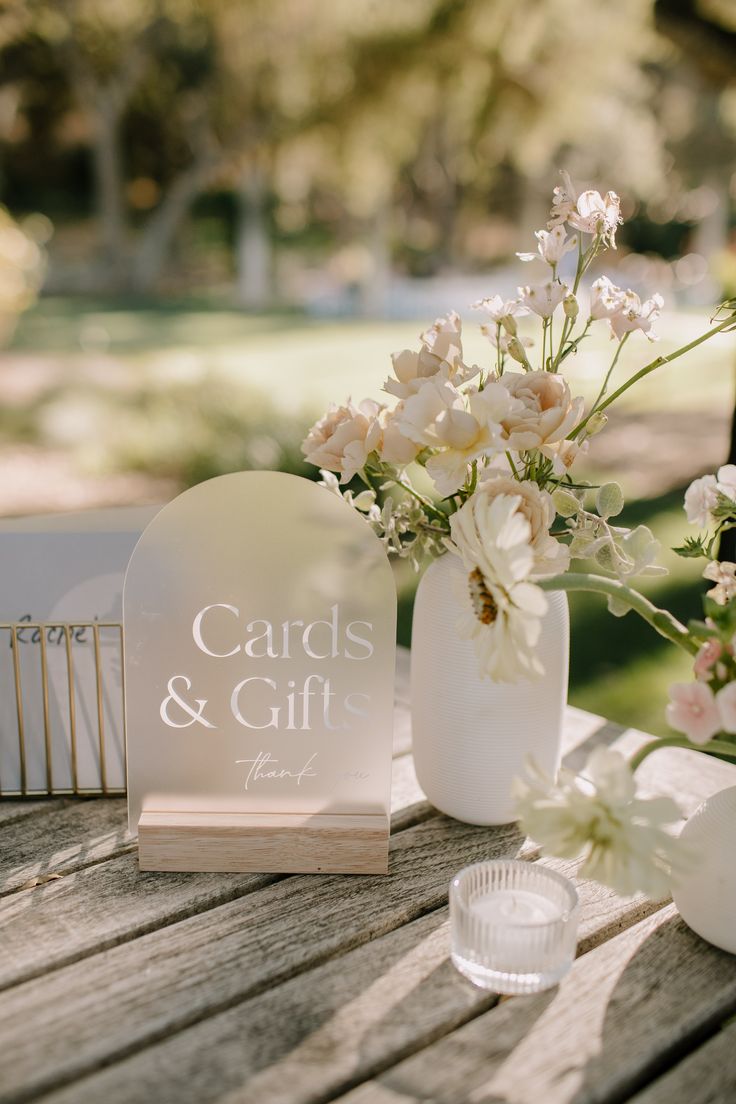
column 513, row 925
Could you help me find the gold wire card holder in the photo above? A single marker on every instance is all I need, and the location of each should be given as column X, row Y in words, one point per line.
column 62, row 708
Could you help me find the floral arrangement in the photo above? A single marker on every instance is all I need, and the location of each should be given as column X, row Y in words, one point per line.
column 498, row 444
column 598, row 814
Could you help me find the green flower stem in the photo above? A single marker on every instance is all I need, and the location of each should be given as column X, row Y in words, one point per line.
column 713, row 747
column 568, row 324
column 661, row 620
column 609, row 373
column 645, row 371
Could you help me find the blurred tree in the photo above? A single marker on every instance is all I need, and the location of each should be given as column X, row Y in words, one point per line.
column 373, row 118
column 105, row 51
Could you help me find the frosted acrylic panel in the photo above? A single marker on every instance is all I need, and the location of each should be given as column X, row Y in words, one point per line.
column 260, row 617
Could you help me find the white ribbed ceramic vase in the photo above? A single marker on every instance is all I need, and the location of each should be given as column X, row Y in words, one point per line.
column 471, row 736
column 706, row 894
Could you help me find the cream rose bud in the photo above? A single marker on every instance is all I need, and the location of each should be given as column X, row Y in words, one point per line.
column 440, row 354
column 544, row 411
column 550, row 557
column 344, row 438
column 570, row 307
column 515, row 349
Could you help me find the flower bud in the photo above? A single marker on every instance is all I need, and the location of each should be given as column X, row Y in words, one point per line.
column 571, row 307
column 509, row 324
column 596, row 422
column 516, row 350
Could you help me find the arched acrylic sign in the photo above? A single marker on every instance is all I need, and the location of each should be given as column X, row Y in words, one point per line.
column 260, row 616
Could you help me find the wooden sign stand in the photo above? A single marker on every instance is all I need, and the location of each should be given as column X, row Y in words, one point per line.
column 287, row 843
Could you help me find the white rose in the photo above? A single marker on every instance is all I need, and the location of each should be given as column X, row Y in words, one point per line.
column 544, row 412
column 344, row 438
column 550, row 556
column 395, row 446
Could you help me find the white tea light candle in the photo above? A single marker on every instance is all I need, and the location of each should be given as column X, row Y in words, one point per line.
column 513, row 925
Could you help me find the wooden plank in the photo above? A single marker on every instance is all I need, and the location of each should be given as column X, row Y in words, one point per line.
column 106, row 904
column 299, row 903
column 67, row 838
column 626, row 1011
column 73, row 833
column 14, row 808
column 139, row 992
column 321, row 1032
column 707, row 1076
column 93, row 909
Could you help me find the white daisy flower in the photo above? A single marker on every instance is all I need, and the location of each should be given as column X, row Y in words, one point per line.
column 504, row 609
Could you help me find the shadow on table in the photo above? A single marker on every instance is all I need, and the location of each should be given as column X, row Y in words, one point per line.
column 671, row 994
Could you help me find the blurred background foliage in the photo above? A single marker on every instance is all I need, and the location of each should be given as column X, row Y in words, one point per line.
column 232, row 211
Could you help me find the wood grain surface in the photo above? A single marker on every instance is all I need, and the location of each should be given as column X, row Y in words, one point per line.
column 124, row 987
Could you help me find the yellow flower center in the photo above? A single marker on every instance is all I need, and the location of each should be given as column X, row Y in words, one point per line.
column 484, row 607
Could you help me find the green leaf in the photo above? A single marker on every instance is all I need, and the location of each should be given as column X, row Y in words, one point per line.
column 565, row 504
column 610, row 500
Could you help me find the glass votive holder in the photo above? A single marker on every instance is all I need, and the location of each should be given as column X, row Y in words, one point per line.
column 513, row 925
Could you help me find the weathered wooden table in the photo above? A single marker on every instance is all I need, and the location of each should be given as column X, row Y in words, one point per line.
column 121, row 986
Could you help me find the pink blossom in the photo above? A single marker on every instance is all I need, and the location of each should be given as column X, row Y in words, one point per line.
column 692, row 710
column 726, row 701
column 709, row 654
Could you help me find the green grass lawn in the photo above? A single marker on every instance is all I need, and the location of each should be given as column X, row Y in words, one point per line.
column 191, row 389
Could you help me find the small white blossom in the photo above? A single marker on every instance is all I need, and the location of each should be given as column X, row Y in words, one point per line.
column 564, row 198
column 692, row 710
column 544, row 299
column 552, row 247
column 723, row 574
column 598, row 815
column 364, row 501
column 588, row 211
column 700, row 498
column 632, row 315
column 605, row 298
column 499, row 309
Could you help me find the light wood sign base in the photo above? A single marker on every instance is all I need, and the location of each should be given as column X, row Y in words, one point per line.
column 268, row 843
